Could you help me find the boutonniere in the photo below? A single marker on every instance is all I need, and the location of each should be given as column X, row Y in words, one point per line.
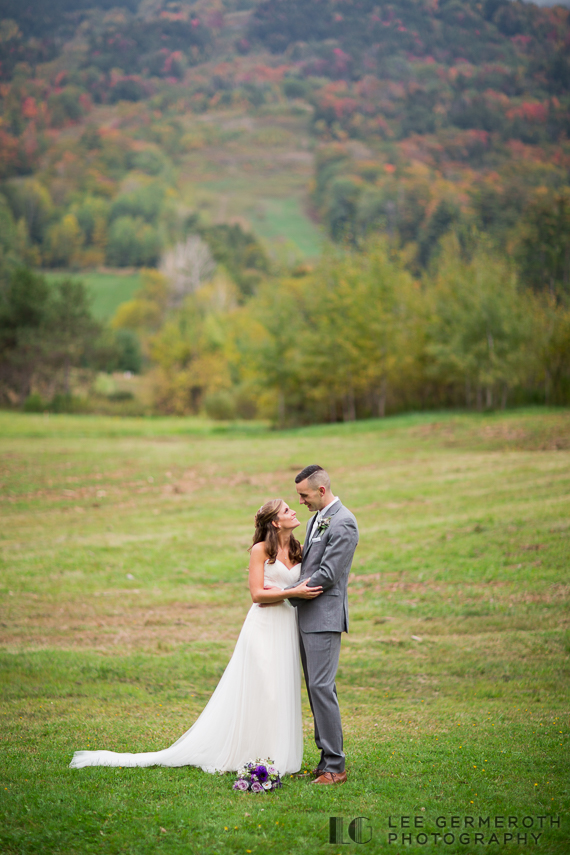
column 323, row 525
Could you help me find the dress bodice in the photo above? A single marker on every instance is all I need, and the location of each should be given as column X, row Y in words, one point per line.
column 279, row 576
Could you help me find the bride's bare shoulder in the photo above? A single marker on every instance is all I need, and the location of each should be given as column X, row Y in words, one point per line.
column 259, row 551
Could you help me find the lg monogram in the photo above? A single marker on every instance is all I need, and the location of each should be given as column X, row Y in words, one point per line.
column 359, row 830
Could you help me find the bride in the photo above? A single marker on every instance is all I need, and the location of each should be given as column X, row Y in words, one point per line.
column 255, row 710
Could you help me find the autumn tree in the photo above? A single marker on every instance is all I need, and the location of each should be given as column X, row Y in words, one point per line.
column 190, row 351
column 480, row 327
column 544, row 252
column 44, row 332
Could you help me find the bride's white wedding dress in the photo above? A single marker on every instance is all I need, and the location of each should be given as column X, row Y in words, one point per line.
column 255, row 710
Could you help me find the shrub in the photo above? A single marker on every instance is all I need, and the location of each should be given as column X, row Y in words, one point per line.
column 129, row 357
column 65, row 106
column 295, row 88
column 133, row 243
column 35, row 404
column 127, row 89
column 220, row 405
column 121, row 395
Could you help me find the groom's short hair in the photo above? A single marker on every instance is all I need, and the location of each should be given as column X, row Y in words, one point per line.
column 315, row 475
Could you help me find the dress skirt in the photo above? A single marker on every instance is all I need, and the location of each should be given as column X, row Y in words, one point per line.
column 255, row 711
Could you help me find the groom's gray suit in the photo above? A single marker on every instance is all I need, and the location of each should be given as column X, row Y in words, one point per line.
column 326, row 559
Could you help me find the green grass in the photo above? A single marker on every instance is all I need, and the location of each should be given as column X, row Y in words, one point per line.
column 453, row 681
column 107, row 290
column 284, row 219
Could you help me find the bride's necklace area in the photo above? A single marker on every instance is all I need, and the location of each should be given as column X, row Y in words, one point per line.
column 283, row 557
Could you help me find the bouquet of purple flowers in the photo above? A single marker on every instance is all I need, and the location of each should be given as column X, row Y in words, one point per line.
column 258, row 777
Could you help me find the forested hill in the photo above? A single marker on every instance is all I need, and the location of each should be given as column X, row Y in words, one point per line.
column 428, row 138
column 371, row 34
column 45, row 20
column 427, row 115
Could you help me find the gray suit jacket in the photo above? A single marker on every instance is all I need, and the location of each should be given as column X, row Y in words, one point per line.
column 327, row 561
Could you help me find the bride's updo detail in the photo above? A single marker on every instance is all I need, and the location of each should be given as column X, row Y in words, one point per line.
column 267, row 533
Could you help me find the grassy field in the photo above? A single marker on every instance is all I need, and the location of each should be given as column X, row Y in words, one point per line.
column 285, row 220
column 107, row 290
column 124, row 588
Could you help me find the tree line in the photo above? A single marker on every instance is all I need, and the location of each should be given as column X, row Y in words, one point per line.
column 359, row 335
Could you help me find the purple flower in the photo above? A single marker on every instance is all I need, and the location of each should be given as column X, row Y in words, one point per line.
column 261, row 774
column 241, row 785
column 256, row 788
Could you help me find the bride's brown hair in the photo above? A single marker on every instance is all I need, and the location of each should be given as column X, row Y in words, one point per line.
column 265, row 532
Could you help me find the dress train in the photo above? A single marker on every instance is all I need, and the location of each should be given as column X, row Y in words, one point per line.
column 255, row 710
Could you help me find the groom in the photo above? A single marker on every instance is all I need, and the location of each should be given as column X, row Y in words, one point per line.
column 332, row 536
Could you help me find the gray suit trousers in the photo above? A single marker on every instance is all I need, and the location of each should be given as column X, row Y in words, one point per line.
column 320, row 653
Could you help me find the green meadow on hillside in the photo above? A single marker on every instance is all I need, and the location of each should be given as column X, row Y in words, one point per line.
column 124, row 587
column 254, row 169
column 107, row 290
column 250, row 170
column 284, row 219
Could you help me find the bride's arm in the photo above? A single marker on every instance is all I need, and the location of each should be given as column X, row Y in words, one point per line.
column 259, row 594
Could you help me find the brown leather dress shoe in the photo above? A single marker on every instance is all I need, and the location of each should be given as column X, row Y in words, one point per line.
column 330, row 778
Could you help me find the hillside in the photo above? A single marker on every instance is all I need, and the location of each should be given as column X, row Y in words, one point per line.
column 456, row 109
column 250, row 136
